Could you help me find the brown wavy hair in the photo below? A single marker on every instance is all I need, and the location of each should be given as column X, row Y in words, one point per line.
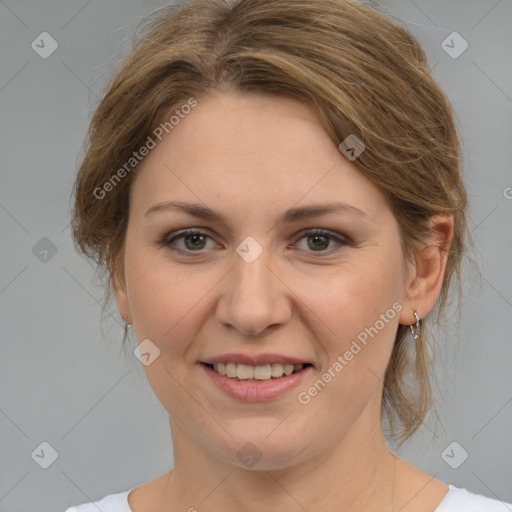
column 361, row 72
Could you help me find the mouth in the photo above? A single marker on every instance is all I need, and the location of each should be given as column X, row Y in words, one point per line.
column 260, row 373
column 259, row 383
column 252, row 377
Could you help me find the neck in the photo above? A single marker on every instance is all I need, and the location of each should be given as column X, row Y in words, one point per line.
column 354, row 473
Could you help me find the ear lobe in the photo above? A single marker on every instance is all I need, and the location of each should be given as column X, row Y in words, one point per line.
column 428, row 276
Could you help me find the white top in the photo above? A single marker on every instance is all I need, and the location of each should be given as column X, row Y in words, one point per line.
column 456, row 500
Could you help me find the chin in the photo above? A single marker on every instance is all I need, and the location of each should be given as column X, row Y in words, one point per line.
column 268, row 449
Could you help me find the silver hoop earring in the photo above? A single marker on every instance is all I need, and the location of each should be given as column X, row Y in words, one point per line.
column 415, row 329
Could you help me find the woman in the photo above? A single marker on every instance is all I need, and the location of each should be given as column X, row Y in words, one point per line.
column 274, row 189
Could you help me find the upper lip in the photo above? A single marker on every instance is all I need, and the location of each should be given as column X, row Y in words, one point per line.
column 254, row 359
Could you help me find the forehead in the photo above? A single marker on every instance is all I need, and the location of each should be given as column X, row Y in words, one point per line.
column 255, row 151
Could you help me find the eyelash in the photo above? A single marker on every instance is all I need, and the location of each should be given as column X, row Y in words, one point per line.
column 167, row 241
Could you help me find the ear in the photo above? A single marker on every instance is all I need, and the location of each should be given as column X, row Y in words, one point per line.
column 427, row 273
column 119, row 285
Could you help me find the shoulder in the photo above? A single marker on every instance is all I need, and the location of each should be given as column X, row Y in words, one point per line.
column 111, row 503
column 461, row 500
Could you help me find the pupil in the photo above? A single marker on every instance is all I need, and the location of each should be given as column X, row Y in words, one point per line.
column 326, row 241
column 195, row 237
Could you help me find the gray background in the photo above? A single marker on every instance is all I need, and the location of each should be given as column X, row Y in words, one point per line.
column 63, row 378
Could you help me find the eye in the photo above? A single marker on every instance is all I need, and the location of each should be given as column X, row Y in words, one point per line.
column 320, row 239
column 195, row 240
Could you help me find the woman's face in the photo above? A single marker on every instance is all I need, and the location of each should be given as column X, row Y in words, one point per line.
column 261, row 283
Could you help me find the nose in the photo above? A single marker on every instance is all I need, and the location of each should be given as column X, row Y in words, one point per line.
column 254, row 296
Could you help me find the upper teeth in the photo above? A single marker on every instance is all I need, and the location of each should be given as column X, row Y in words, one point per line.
column 265, row 372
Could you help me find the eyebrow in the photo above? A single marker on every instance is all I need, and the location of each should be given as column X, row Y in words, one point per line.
column 289, row 216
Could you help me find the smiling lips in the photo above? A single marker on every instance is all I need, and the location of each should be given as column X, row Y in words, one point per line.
column 264, row 372
column 255, row 378
column 255, row 366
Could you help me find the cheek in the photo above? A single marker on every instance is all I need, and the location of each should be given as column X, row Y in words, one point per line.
column 167, row 302
column 356, row 315
column 362, row 315
column 354, row 297
column 156, row 300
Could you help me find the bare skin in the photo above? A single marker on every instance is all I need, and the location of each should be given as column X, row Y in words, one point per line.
column 251, row 158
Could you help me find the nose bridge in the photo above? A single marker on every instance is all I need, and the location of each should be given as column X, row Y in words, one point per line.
column 252, row 300
column 252, row 274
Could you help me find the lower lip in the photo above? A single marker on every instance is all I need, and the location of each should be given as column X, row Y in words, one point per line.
column 253, row 391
